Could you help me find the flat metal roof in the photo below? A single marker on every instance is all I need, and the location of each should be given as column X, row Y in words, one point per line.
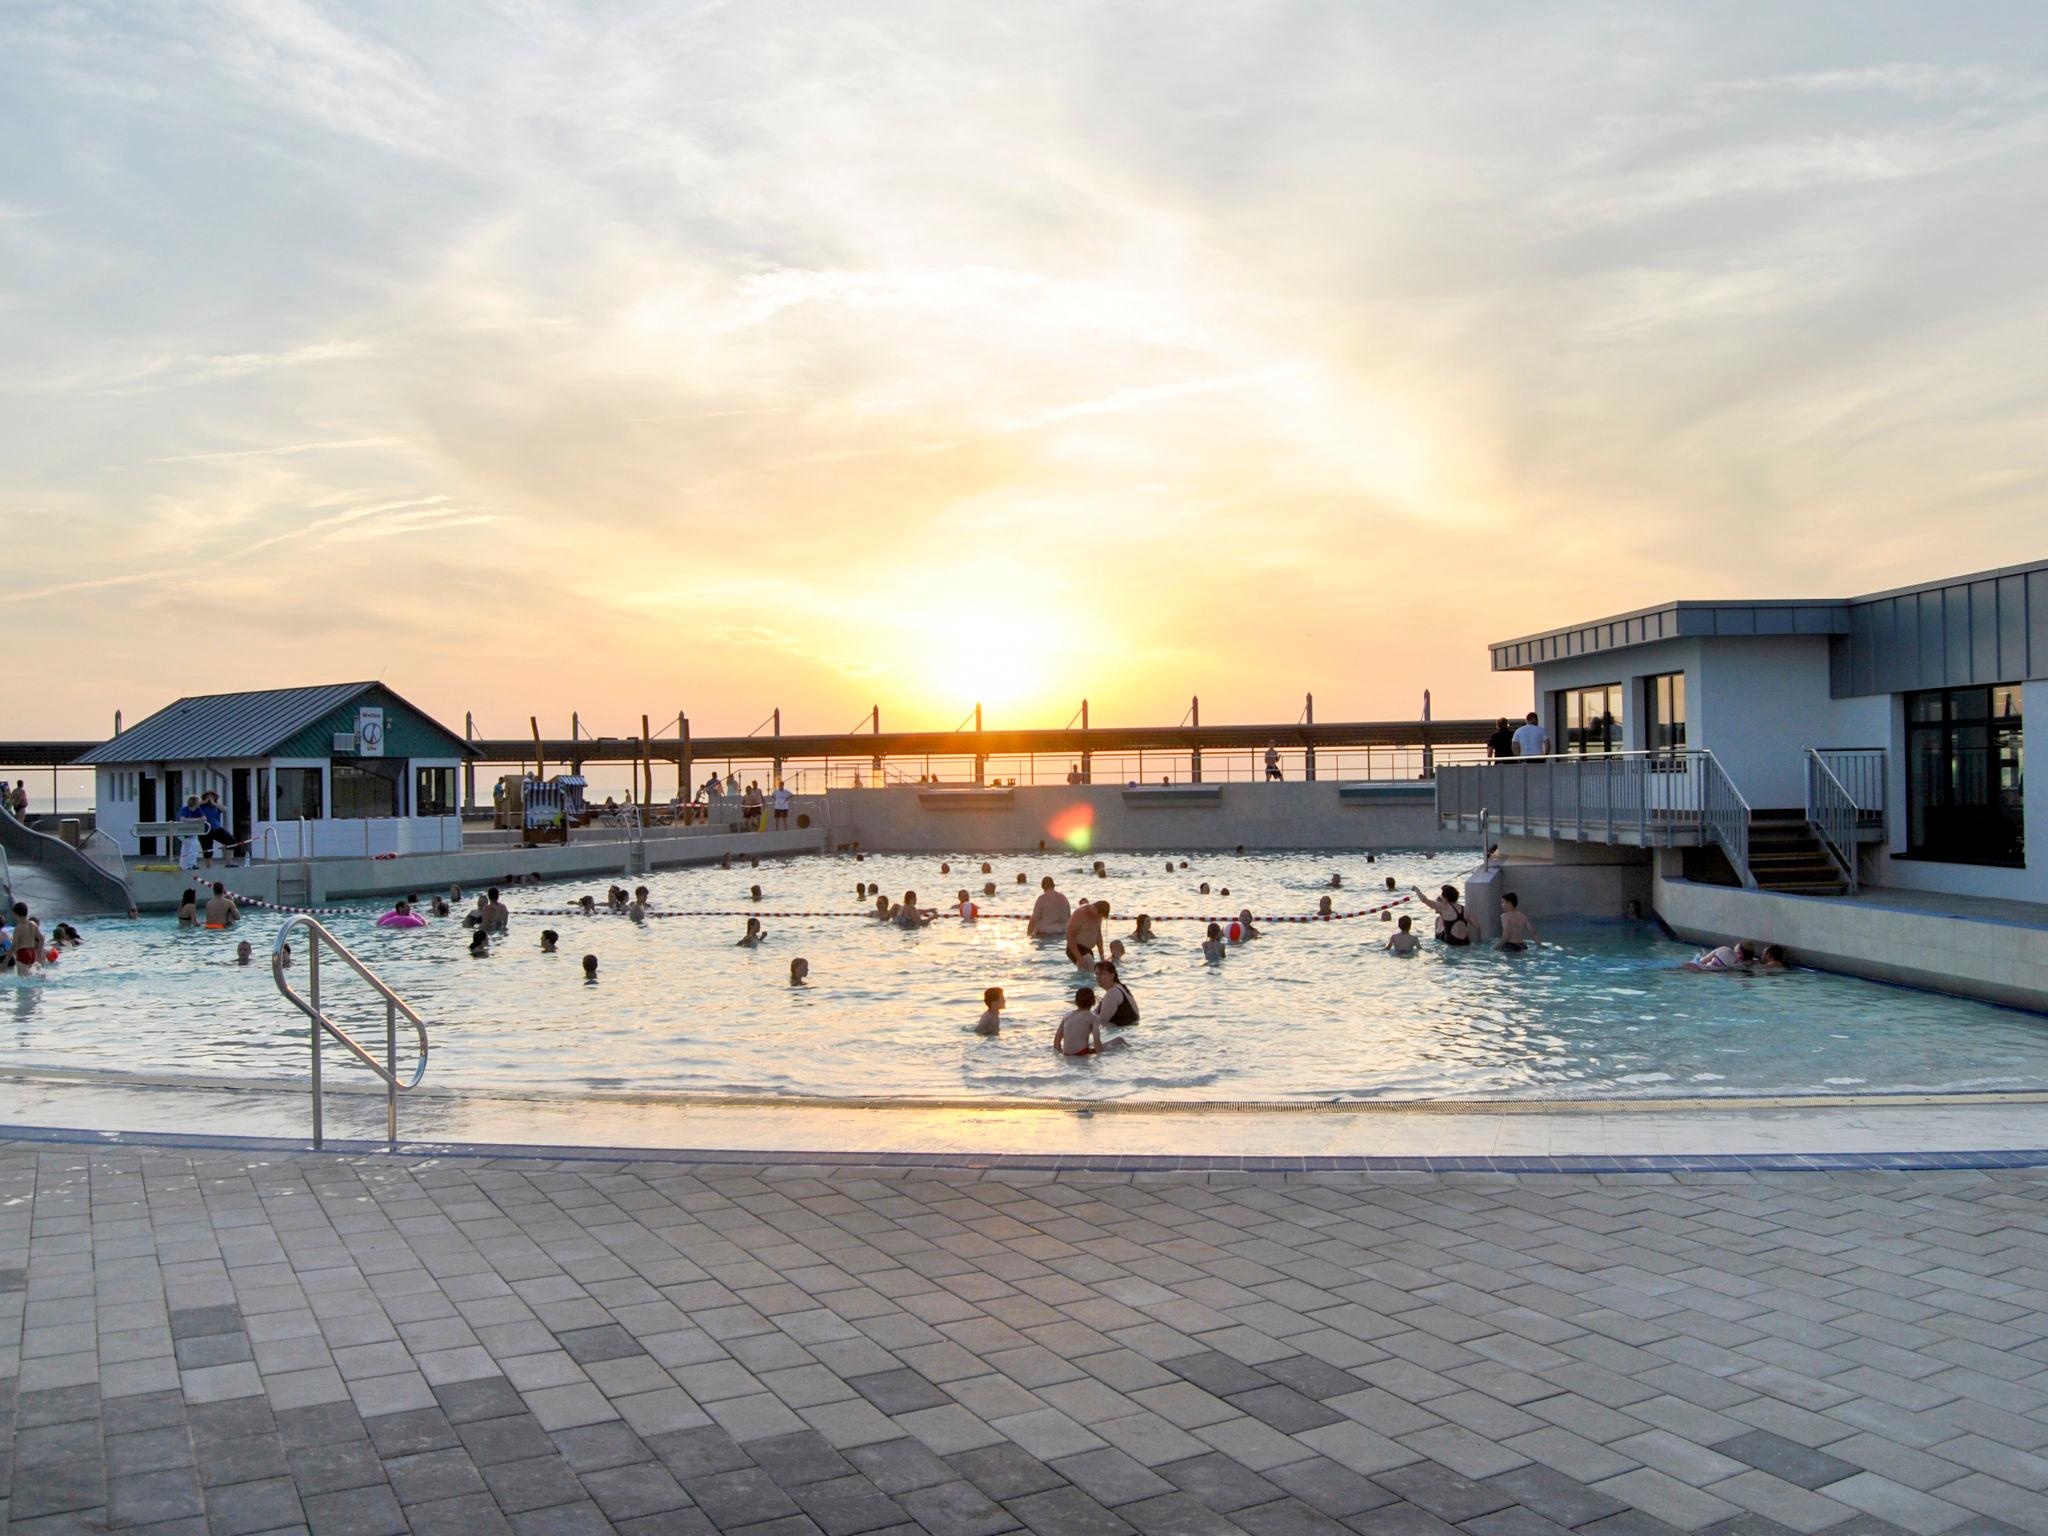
column 1735, row 617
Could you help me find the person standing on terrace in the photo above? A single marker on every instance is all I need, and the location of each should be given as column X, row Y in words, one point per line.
column 1272, row 761
column 1501, row 743
column 1531, row 740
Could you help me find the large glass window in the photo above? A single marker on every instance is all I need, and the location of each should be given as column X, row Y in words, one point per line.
column 433, row 792
column 1664, row 713
column 1965, row 779
column 1589, row 719
column 298, row 794
column 361, row 790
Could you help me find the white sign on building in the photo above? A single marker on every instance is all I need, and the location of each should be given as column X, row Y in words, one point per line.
column 370, row 731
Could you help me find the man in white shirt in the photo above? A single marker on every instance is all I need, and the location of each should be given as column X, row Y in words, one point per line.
column 1531, row 740
column 781, row 802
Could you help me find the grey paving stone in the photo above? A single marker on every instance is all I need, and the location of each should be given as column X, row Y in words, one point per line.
column 366, row 1511
column 1787, row 1459
column 848, row 1506
column 1444, row 1492
column 196, row 1322
column 1221, row 1483
column 230, row 1419
column 1110, row 1477
column 607, row 1341
column 1329, row 1486
column 744, row 1497
column 583, row 1519
column 144, row 1411
column 1067, row 1512
column 1005, row 1471
column 1176, row 1514
column 593, row 1447
column 489, row 1397
column 319, row 1424
column 431, row 1475
column 955, row 1508
column 540, row 1482
column 1630, row 1522
column 1283, row 1408
column 1399, row 1519
column 56, row 1405
column 795, row 1459
column 475, row 1515
column 149, row 1498
column 242, row 1509
column 897, row 1466
column 1563, row 1500
column 1312, row 1377
column 249, row 1458
column 1288, row 1517
column 1219, row 1374
column 409, row 1433
column 490, row 1441
column 640, row 1488
column 334, row 1466
column 899, row 1391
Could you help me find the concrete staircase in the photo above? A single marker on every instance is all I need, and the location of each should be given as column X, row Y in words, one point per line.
column 1786, row 857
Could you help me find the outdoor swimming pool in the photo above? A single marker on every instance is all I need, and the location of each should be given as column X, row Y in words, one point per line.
column 1309, row 1013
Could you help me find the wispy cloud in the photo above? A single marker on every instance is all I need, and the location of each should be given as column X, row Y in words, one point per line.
column 284, row 451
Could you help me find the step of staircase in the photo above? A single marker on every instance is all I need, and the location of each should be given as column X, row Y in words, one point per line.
column 1786, row 857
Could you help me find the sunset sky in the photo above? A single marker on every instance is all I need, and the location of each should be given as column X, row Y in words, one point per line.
column 537, row 356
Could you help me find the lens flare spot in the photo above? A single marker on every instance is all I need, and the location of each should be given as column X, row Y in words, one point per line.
column 1074, row 826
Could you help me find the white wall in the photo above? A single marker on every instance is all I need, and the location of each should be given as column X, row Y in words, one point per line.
column 1292, row 814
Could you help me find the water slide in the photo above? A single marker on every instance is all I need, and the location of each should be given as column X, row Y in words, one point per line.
column 54, row 878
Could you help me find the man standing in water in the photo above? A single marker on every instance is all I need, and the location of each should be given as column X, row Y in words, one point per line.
column 1084, row 933
column 1049, row 913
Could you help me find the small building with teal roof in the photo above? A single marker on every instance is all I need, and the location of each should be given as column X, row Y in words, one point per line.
column 337, row 770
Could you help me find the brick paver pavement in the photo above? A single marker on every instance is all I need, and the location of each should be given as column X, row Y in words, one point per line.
column 238, row 1342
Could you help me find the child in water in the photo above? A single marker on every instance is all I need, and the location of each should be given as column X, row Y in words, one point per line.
column 548, row 939
column 1212, row 946
column 1080, row 1032
column 991, row 1020
column 1143, row 932
column 799, row 971
column 590, row 970
column 480, row 944
column 1402, row 940
column 752, row 938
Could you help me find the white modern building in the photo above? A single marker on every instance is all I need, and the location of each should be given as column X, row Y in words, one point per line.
column 1825, row 750
column 341, row 770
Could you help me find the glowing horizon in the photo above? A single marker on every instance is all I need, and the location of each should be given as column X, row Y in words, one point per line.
column 549, row 358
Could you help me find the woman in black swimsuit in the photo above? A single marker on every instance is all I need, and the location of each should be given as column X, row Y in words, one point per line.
column 1453, row 927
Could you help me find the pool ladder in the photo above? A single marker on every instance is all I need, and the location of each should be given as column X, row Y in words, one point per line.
column 394, row 1005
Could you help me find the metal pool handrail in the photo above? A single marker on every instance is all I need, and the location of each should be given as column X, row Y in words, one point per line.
column 317, row 935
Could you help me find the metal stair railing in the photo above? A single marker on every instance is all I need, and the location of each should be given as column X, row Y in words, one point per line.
column 394, row 1005
column 1725, row 815
column 1832, row 813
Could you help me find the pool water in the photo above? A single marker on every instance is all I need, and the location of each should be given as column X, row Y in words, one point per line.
column 1307, row 1013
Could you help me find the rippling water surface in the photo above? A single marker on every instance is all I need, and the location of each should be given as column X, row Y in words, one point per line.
column 1307, row 1013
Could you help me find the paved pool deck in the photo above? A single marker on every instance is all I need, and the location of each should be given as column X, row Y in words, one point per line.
column 240, row 1340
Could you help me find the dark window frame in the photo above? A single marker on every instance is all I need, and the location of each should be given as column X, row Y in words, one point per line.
column 1576, row 741
column 435, row 793
column 1966, row 776
column 292, row 806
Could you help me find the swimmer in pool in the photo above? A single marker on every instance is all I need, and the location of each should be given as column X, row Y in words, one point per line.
column 65, row 936
column 1402, row 940
column 638, row 910
column 1203, row 888
column 1020, row 877
column 1453, row 927
column 1245, row 931
column 1114, row 1004
column 1100, row 870
column 480, row 944
column 988, row 869
column 1212, row 946
column 1633, row 910
column 752, row 938
column 1324, row 909
column 1772, row 959
column 221, row 911
column 753, row 893
column 244, row 952
column 1084, row 932
column 1336, row 882
column 945, row 869
column 799, row 971
column 964, row 905
column 1516, row 934
column 988, row 887
column 188, row 908
column 1390, row 884
column 441, row 906
column 548, row 940
column 1142, row 934
column 991, row 1020
column 588, row 904
column 590, row 970
column 1725, row 957
column 1116, row 951
column 401, row 915
column 1050, row 913
column 1080, row 1032
column 910, row 914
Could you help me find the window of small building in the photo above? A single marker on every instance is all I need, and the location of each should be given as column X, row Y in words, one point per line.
column 1590, row 719
column 1965, row 775
column 1664, row 713
column 433, row 792
column 298, row 794
column 365, row 790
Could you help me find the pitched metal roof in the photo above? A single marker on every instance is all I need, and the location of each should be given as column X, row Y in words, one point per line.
column 214, row 726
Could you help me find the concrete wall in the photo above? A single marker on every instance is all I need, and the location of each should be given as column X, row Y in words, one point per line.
column 2000, row 962
column 336, row 881
column 1285, row 815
